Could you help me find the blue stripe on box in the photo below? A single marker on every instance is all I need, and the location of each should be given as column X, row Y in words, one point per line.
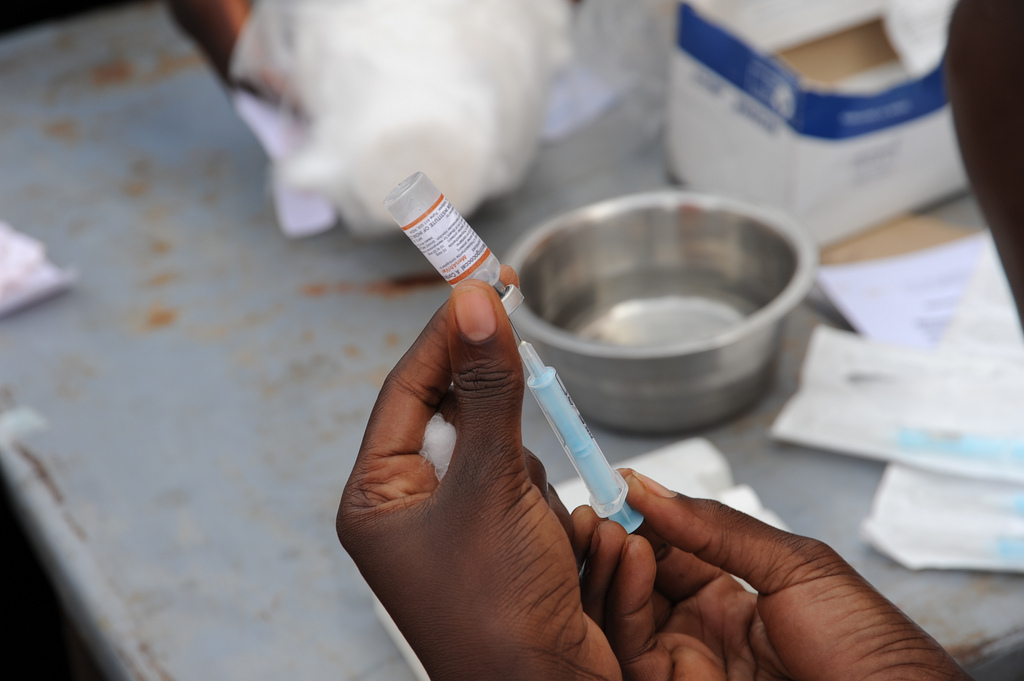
column 814, row 114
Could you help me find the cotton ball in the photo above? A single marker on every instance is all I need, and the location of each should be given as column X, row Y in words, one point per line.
column 438, row 444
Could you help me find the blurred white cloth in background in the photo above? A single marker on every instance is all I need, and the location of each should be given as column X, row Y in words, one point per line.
column 454, row 88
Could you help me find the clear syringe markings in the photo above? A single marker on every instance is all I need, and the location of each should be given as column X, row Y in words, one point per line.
column 458, row 253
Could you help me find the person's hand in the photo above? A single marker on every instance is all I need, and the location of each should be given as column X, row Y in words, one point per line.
column 477, row 571
column 676, row 613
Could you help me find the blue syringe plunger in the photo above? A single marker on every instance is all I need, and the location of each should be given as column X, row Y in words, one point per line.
column 606, row 486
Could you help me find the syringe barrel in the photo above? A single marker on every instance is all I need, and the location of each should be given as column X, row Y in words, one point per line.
column 607, row 489
column 441, row 233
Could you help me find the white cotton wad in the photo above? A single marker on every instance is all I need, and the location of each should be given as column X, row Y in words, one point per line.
column 438, row 444
column 454, row 88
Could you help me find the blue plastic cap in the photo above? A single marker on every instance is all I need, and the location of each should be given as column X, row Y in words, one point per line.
column 628, row 518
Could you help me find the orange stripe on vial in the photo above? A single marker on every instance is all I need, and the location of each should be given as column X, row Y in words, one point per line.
column 425, row 214
column 469, row 271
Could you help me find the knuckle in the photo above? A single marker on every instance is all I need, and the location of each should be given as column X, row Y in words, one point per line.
column 800, row 559
column 398, row 381
column 348, row 523
column 358, row 510
column 812, row 560
column 490, row 377
column 639, row 655
column 358, row 525
column 345, row 526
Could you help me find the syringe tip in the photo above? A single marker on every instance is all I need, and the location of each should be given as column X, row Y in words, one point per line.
column 531, row 359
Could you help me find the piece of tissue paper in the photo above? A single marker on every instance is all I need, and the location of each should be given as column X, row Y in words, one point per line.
column 26, row 275
column 299, row 213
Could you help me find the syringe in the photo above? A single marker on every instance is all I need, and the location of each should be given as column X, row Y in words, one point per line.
column 458, row 252
column 607, row 488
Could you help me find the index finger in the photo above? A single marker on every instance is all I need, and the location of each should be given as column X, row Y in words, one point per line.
column 411, row 393
column 767, row 558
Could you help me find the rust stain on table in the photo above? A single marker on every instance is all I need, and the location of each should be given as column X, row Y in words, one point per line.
column 388, row 288
column 63, row 129
column 159, row 316
column 115, row 72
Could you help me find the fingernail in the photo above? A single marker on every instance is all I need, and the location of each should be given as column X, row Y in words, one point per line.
column 474, row 314
column 655, row 488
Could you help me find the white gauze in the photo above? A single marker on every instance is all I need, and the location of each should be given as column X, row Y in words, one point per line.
column 438, row 444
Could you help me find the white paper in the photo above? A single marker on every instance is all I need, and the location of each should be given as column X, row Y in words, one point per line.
column 919, row 31
column 905, row 300
column 299, row 213
column 26, row 275
column 20, row 256
column 278, row 132
column 986, row 321
column 929, row 520
column 945, row 412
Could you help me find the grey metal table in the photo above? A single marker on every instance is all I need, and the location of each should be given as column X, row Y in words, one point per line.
column 207, row 382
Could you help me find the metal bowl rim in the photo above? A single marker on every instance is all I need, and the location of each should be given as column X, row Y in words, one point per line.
column 791, row 296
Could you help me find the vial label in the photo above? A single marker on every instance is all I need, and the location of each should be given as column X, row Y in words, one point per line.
column 449, row 243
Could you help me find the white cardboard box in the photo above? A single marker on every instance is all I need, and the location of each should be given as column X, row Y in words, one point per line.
column 833, row 131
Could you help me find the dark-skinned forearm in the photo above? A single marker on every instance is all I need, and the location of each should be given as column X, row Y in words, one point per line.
column 985, row 76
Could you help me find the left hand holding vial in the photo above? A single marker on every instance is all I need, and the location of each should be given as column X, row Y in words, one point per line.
column 477, row 571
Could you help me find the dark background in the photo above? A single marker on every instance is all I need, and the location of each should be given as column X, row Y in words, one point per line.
column 36, row 640
column 18, row 14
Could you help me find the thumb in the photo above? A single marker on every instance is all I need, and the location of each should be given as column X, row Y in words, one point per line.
column 488, row 380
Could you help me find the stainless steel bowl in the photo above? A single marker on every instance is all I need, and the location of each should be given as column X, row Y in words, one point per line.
column 662, row 311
